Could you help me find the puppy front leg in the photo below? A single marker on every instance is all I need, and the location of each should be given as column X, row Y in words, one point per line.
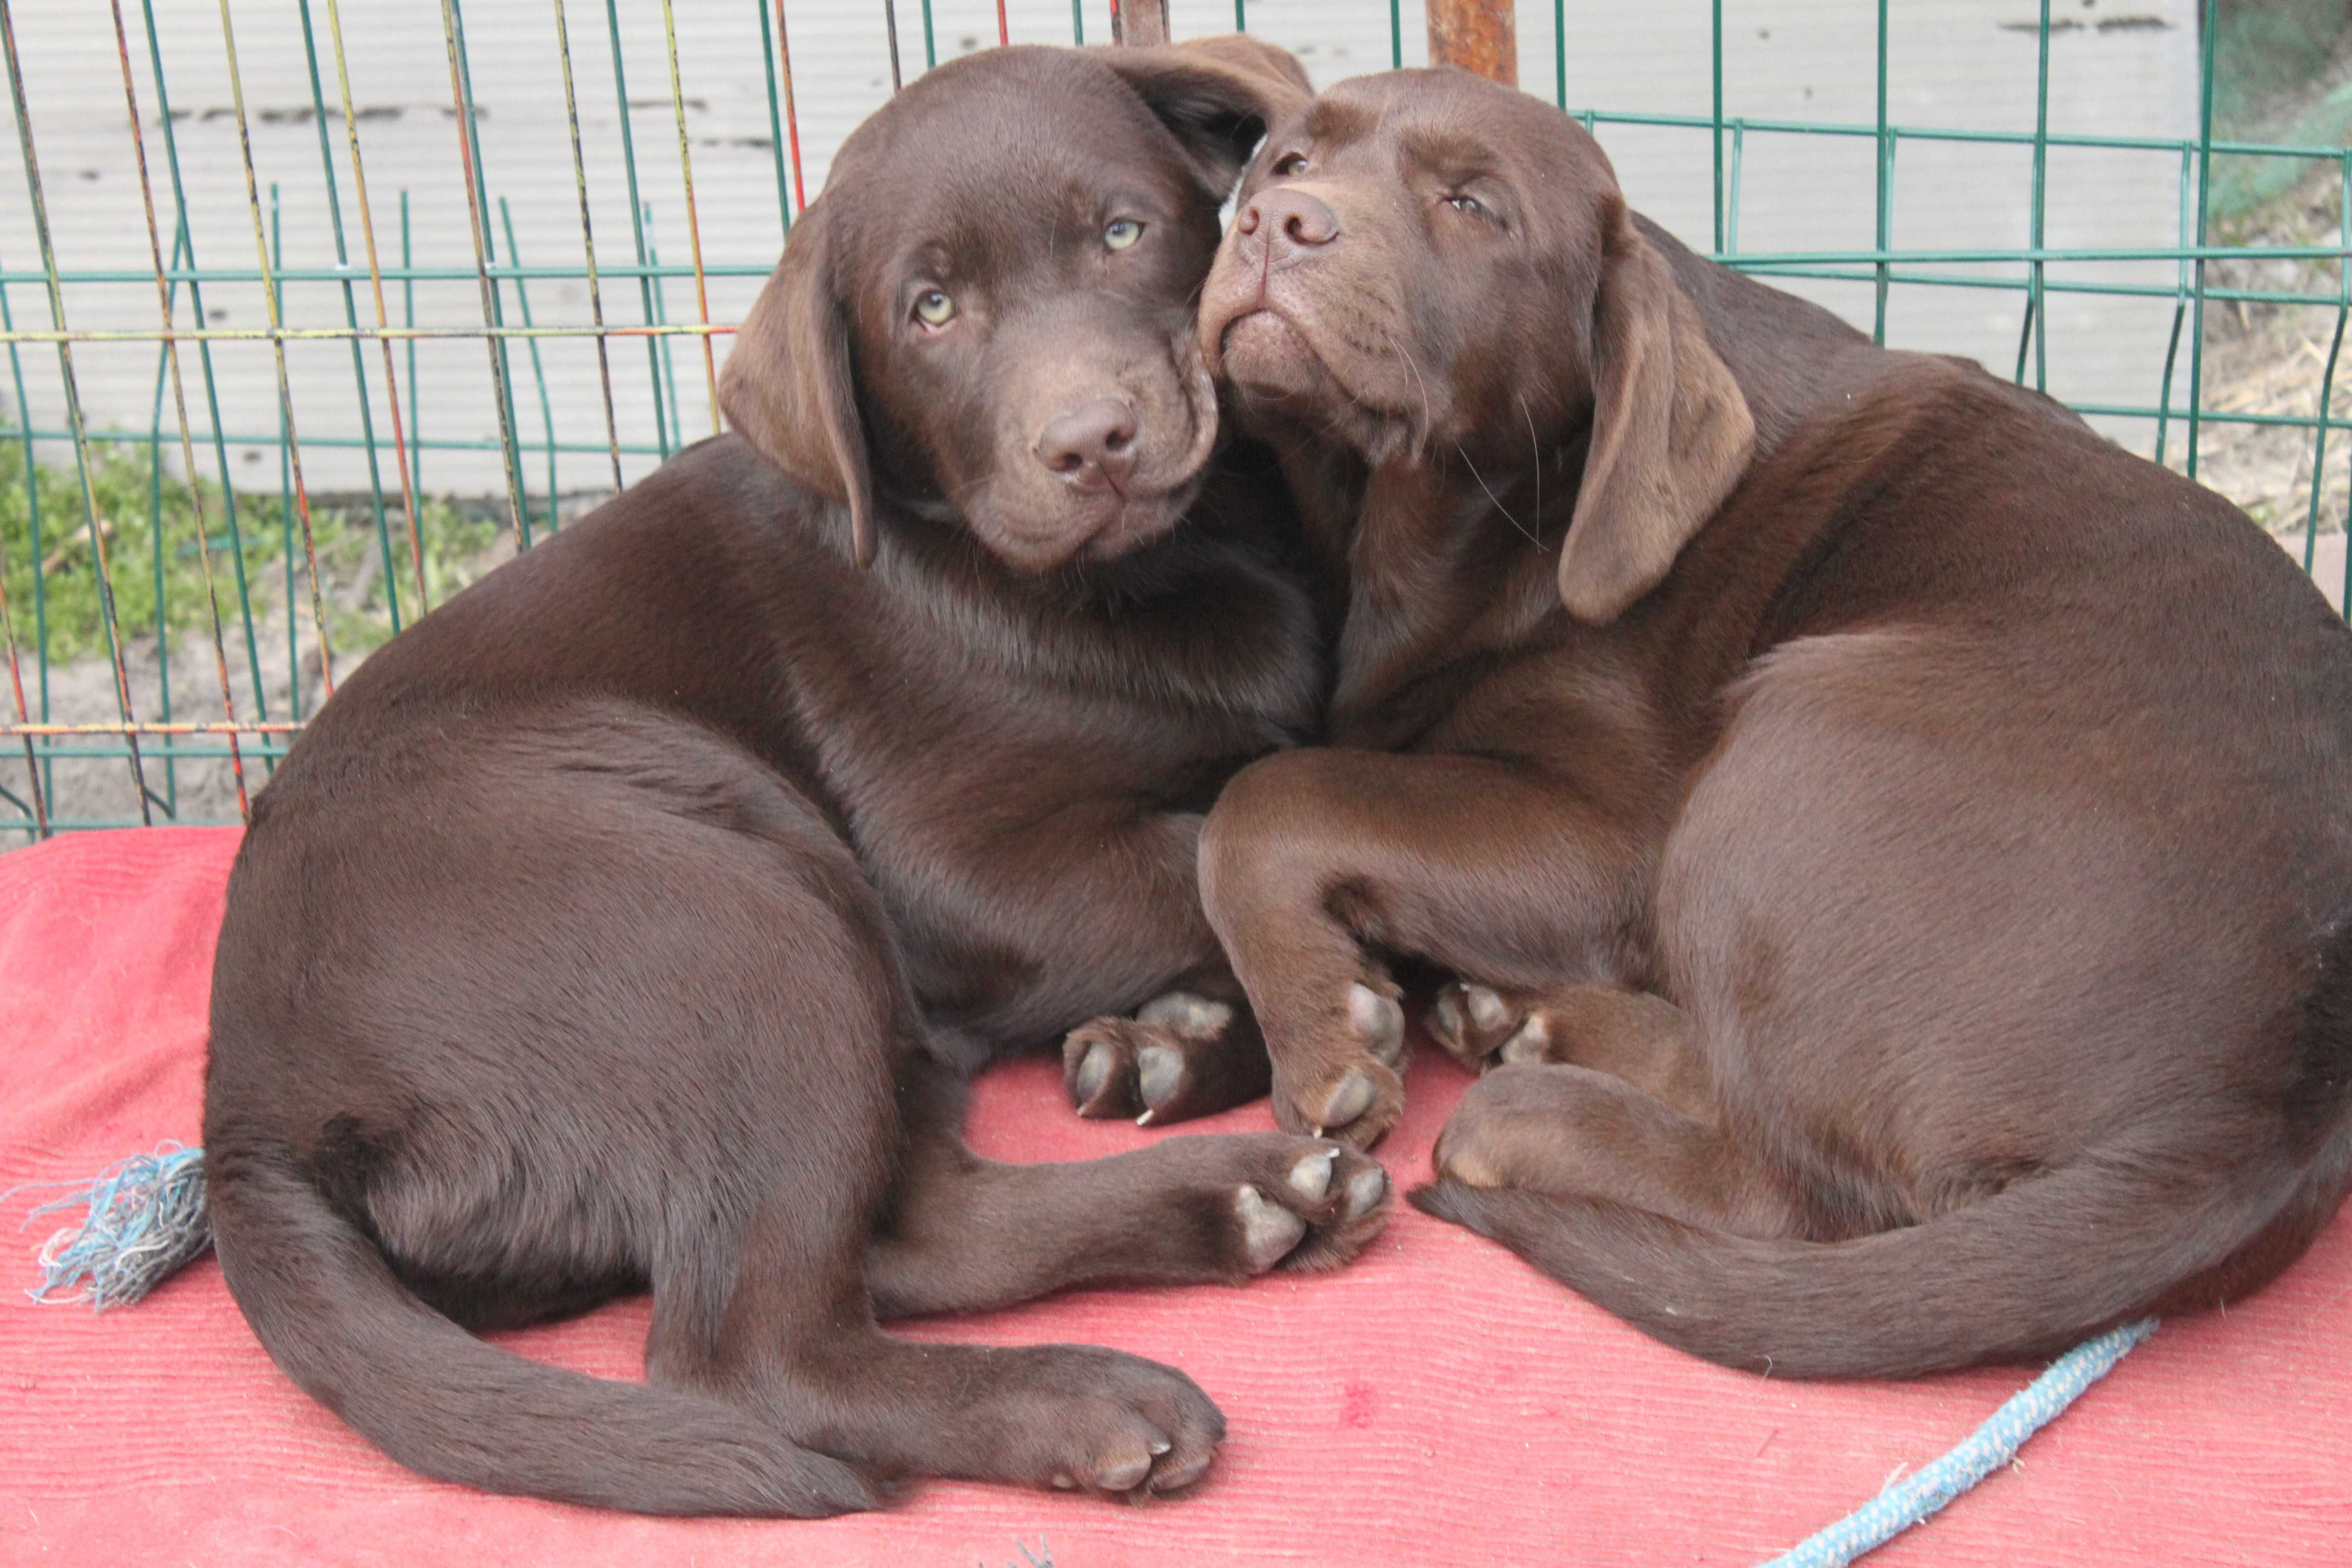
column 1476, row 865
column 964, row 1234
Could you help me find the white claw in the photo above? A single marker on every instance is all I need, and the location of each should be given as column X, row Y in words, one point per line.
column 1144, row 1119
column 1487, row 1009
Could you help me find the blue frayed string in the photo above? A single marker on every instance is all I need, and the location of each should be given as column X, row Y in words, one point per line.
column 146, row 1220
column 1919, row 1495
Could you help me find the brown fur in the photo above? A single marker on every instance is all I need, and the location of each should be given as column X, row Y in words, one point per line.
column 622, row 925
column 1896, row 846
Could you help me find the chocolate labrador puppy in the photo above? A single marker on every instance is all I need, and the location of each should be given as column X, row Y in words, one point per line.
column 617, row 926
column 1900, row 843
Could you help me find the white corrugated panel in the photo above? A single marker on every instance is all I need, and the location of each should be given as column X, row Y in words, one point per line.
column 1958, row 63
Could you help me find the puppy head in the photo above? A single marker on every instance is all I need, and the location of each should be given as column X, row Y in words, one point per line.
column 1428, row 267
column 987, row 316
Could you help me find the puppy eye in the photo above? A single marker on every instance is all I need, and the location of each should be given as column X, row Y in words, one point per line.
column 1122, row 232
column 934, row 309
column 1463, row 204
column 1290, row 163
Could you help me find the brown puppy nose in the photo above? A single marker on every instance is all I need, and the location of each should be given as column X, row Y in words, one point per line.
column 1092, row 447
column 1291, row 222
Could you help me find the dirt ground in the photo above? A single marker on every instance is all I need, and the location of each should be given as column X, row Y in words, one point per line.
column 199, row 789
column 2270, row 360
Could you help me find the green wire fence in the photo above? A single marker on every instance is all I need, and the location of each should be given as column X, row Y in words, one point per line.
column 177, row 593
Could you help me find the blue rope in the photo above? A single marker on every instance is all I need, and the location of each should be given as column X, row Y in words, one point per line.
column 146, row 1220
column 1919, row 1495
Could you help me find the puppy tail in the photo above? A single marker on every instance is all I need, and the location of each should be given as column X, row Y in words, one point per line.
column 329, row 1310
column 2017, row 1277
column 2115, row 1235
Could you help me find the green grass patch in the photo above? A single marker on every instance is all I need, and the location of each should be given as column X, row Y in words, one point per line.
column 148, row 523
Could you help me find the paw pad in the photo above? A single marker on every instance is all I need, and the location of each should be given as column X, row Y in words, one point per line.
column 1312, row 1175
column 1158, row 1071
column 1195, row 1018
column 1378, row 1022
column 1530, row 1045
column 1094, row 1072
column 1268, row 1230
column 1351, row 1099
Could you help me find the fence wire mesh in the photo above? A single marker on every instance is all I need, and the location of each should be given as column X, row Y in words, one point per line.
column 312, row 312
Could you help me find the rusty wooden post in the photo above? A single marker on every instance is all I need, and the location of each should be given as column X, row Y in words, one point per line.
column 1138, row 22
column 1479, row 35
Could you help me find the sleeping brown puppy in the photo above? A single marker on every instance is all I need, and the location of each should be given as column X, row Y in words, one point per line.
column 620, row 925
column 1900, row 843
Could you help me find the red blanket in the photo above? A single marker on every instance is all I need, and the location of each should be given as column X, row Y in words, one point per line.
column 1435, row 1403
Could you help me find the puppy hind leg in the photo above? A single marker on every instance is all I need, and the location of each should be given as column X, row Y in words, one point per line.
column 964, row 1234
column 1572, row 1132
column 799, row 1342
column 761, row 1299
column 1631, row 1035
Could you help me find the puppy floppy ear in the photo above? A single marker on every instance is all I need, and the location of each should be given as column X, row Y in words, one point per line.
column 1671, row 433
column 1218, row 95
column 787, row 387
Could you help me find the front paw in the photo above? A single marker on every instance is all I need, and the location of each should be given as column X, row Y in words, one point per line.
column 1311, row 1206
column 1176, row 1058
column 1482, row 1027
column 1357, row 1093
column 1355, row 1103
column 1376, row 1013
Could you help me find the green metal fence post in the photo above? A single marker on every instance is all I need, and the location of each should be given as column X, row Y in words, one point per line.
column 2036, row 334
column 477, row 203
column 73, row 409
column 538, row 370
column 1885, row 203
column 351, row 315
column 391, row 382
column 637, row 208
column 184, row 249
column 588, row 230
column 166, row 292
column 1714, row 129
column 2328, row 375
column 2204, row 208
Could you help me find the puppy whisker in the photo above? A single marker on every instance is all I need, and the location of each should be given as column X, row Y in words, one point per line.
column 1534, row 454
column 1495, row 499
column 1428, row 420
